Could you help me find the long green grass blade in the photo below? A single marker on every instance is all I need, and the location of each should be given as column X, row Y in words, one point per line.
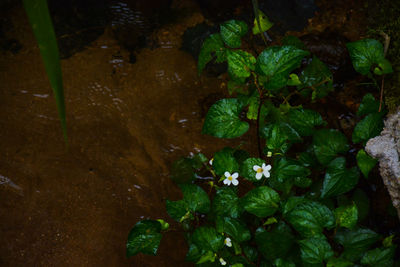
column 42, row 26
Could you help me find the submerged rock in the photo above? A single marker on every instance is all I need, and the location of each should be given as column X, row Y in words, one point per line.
column 386, row 148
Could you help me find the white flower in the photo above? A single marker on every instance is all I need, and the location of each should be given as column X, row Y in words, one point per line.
column 228, row 242
column 211, row 161
column 231, row 179
column 221, row 260
column 263, row 170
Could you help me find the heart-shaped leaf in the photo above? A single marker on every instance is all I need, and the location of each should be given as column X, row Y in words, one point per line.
column 212, row 45
column 310, row 218
column 232, row 31
column 144, row 237
column 339, row 180
column 261, row 201
column 327, row 143
column 276, row 63
column 365, row 162
column 368, row 127
column 223, row 121
column 365, row 54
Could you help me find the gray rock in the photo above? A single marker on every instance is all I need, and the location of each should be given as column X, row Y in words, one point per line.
column 386, row 148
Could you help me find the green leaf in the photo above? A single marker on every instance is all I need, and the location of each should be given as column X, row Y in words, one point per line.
column 280, row 136
column 283, row 263
column 144, row 237
column 302, row 182
column 346, row 216
column 240, row 63
column 164, row 224
column 293, row 41
column 310, row 218
column 194, row 199
column 318, row 77
column 355, row 241
column 276, row 63
column 368, row 105
column 293, row 202
column 39, row 18
column 265, row 24
column 252, row 99
column 315, row 250
column 182, row 171
column 293, row 80
column 207, row 239
column 232, row 31
column 365, row 162
column 368, row 128
column 339, row 180
column 226, row 203
column 223, row 121
column 178, row 210
column 250, row 252
column 193, row 254
column 361, row 199
column 327, row 143
column 198, row 160
column 365, row 54
column 246, row 168
column 267, row 241
column 388, row 241
column 209, row 256
column 234, row 228
column 289, row 169
column 304, row 120
column 225, row 161
column 212, row 45
column 379, row 257
column 308, row 158
column 338, row 262
column 384, row 67
column 261, row 201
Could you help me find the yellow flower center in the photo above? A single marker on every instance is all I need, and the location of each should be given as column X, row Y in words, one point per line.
column 230, row 178
column 259, row 170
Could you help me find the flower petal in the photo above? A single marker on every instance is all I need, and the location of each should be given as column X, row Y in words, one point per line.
column 228, row 242
column 268, row 167
column 256, row 167
column 266, row 174
column 259, row 175
column 222, row 261
column 227, row 181
column 227, row 174
column 263, row 165
column 235, row 182
column 235, row 175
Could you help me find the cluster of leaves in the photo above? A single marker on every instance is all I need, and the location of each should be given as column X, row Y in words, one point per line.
column 307, row 211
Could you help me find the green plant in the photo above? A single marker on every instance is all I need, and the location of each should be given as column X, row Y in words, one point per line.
column 296, row 206
column 42, row 27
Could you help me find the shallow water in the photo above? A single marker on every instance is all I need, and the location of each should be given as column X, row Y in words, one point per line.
column 126, row 125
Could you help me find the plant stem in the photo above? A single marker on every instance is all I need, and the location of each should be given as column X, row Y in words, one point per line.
column 258, row 117
column 381, row 97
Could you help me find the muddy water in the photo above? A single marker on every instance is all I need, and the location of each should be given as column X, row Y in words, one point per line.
column 126, row 123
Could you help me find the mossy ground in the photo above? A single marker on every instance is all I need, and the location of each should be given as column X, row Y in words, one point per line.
column 383, row 16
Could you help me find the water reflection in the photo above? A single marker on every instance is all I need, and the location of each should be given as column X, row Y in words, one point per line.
column 127, row 123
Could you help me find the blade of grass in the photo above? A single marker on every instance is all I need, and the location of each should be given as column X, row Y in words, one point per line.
column 42, row 26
